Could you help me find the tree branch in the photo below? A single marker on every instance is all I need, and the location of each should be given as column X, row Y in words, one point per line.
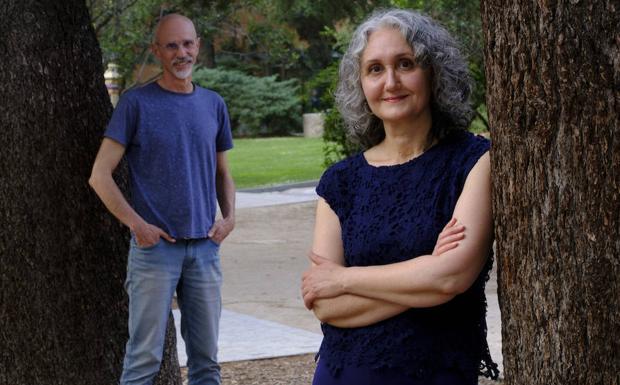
column 482, row 118
column 111, row 14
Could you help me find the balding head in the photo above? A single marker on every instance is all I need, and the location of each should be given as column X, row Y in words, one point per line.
column 171, row 23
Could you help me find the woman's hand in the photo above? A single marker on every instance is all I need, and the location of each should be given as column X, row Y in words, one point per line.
column 322, row 280
column 449, row 237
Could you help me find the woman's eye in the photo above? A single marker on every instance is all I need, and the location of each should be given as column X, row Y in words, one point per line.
column 374, row 69
column 406, row 64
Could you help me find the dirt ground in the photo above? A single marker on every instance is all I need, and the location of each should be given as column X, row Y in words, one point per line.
column 263, row 260
column 292, row 370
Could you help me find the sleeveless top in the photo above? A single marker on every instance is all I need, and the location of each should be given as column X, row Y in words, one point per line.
column 393, row 213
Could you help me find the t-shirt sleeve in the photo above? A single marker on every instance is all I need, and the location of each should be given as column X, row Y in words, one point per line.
column 331, row 187
column 122, row 125
column 223, row 141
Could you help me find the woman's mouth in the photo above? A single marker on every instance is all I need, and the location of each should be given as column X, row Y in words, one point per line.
column 394, row 99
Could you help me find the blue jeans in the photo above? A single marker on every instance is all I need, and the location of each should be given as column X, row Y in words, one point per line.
column 192, row 268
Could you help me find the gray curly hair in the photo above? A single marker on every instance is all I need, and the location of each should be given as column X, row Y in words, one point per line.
column 434, row 48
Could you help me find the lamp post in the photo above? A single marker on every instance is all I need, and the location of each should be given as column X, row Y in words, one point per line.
column 113, row 82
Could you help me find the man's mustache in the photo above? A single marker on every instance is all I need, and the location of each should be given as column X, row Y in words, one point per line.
column 182, row 60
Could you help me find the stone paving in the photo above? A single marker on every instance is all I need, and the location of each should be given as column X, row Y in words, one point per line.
column 262, row 262
column 243, row 337
column 272, row 198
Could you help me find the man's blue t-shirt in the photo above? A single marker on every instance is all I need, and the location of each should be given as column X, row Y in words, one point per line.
column 171, row 141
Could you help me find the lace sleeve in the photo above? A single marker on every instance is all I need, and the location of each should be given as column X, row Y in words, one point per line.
column 333, row 188
column 477, row 146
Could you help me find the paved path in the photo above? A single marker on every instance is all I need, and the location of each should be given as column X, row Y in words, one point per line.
column 273, row 198
column 262, row 262
column 243, row 337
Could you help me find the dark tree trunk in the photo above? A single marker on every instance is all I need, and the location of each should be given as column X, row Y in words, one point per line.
column 553, row 83
column 63, row 310
column 170, row 372
column 209, row 52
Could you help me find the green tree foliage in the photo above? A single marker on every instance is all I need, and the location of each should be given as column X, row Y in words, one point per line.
column 258, row 106
column 310, row 18
column 124, row 30
column 335, row 142
column 259, row 43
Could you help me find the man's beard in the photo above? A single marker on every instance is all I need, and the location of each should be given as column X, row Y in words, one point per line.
column 184, row 74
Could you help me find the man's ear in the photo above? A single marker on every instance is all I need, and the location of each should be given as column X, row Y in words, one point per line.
column 155, row 50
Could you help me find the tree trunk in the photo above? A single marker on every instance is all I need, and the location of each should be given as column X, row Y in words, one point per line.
column 170, row 372
column 63, row 311
column 209, row 52
column 553, row 81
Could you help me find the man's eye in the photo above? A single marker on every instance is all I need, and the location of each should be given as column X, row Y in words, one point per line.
column 172, row 46
column 188, row 44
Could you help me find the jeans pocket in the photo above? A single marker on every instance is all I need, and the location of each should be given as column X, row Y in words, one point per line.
column 213, row 242
column 145, row 248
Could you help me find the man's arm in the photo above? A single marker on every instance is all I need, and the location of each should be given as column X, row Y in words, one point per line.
column 225, row 189
column 101, row 180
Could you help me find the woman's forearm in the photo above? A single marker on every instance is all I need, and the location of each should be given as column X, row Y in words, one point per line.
column 350, row 310
column 424, row 281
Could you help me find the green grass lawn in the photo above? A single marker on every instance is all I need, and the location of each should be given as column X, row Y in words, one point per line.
column 270, row 161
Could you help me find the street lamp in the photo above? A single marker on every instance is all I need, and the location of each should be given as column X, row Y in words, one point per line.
column 113, row 82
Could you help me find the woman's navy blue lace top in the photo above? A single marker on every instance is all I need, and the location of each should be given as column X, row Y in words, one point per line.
column 394, row 213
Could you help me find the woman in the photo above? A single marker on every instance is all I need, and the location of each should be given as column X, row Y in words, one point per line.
column 403, row 232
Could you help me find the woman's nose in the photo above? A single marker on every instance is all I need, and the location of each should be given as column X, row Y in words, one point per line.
column 391, row 79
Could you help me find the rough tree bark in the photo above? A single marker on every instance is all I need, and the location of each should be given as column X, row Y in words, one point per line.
column 63, row 311
column 553, row 84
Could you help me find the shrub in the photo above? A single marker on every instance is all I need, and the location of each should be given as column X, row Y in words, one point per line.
column 258, row 106
column 336, row 145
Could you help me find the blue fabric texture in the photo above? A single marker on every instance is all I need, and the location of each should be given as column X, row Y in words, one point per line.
column 361, row 375
column 171, row 142
column 394, row 213
column 191, row 268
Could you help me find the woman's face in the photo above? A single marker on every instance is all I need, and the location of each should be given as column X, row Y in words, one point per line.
column 396, row 88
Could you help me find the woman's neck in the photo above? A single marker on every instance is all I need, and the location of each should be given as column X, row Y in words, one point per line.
column 402, row 142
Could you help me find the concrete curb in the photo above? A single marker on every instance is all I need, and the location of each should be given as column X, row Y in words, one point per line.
column 281, row 187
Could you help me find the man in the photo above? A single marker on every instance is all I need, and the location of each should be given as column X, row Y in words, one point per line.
column 174, row 135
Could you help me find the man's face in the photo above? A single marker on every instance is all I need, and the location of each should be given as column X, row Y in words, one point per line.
column 176, row 46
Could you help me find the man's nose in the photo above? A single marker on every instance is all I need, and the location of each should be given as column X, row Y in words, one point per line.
column 181, row 51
